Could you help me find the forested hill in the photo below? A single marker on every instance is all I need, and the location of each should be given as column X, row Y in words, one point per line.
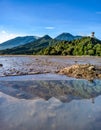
column 84, row 46
column 48, row 46
column 31, row 47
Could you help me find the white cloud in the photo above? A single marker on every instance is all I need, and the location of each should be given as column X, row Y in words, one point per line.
column 3, row 32
column 4, row 36
column 50, row 28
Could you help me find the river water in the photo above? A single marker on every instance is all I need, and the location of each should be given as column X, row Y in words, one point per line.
column 60, row 104
column 49, row 102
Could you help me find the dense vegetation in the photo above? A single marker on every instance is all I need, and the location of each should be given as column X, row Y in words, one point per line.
column 48, row 46
column 84, row 46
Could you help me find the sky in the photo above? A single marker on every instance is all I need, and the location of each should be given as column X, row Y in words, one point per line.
column 52, row 17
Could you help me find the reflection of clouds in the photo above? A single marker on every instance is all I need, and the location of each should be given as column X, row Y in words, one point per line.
column 39, row 114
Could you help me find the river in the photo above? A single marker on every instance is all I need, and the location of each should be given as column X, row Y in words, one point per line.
column 49, row 102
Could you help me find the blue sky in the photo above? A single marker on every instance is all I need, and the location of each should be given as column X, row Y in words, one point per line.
column 52, row 17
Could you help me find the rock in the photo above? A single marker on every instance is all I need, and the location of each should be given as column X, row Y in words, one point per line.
column 1, row 65
column 85, row 71
column 99, row 75
column 91, row 68
column 36, row 72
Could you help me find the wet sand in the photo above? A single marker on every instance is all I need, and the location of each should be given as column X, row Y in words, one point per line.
column 29, row 65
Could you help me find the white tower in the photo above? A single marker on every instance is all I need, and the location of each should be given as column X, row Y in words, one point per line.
column 92, row 34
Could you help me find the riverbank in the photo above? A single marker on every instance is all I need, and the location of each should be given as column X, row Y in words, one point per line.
column 29, row 65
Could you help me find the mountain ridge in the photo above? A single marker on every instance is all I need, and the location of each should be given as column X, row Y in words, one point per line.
column 31, row 47
column 17, row 41
column 49, row 46
column 67, row 37
column 21, row 40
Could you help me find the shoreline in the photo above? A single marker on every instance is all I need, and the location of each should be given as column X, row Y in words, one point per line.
column 17, row 65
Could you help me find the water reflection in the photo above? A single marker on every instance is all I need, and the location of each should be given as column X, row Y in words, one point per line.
column 64, row 90
column 50, row 105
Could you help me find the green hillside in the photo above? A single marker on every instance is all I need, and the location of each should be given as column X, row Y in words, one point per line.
column 48, row 46
column 84, row 46
column 29, row 48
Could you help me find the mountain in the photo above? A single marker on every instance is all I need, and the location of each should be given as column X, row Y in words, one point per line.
column 67, row 37
column 48, row 46
column 78, row 37
column 31, row 47
column 83, row 46
column 17, row 41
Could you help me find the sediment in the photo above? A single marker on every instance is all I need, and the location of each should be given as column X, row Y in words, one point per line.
column 84, row 71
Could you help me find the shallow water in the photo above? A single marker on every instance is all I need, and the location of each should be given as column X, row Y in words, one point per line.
column 47, row 101
column 68, row 104
column 47, row 76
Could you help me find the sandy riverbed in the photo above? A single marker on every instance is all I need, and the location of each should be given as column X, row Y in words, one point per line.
column 25, row 65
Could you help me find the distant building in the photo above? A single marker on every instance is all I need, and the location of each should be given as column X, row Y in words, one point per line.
column 92, row 34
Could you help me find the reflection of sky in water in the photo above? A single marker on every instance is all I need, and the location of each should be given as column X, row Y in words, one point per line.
column 76, row 112
column 49, row 115
column 47, row 76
